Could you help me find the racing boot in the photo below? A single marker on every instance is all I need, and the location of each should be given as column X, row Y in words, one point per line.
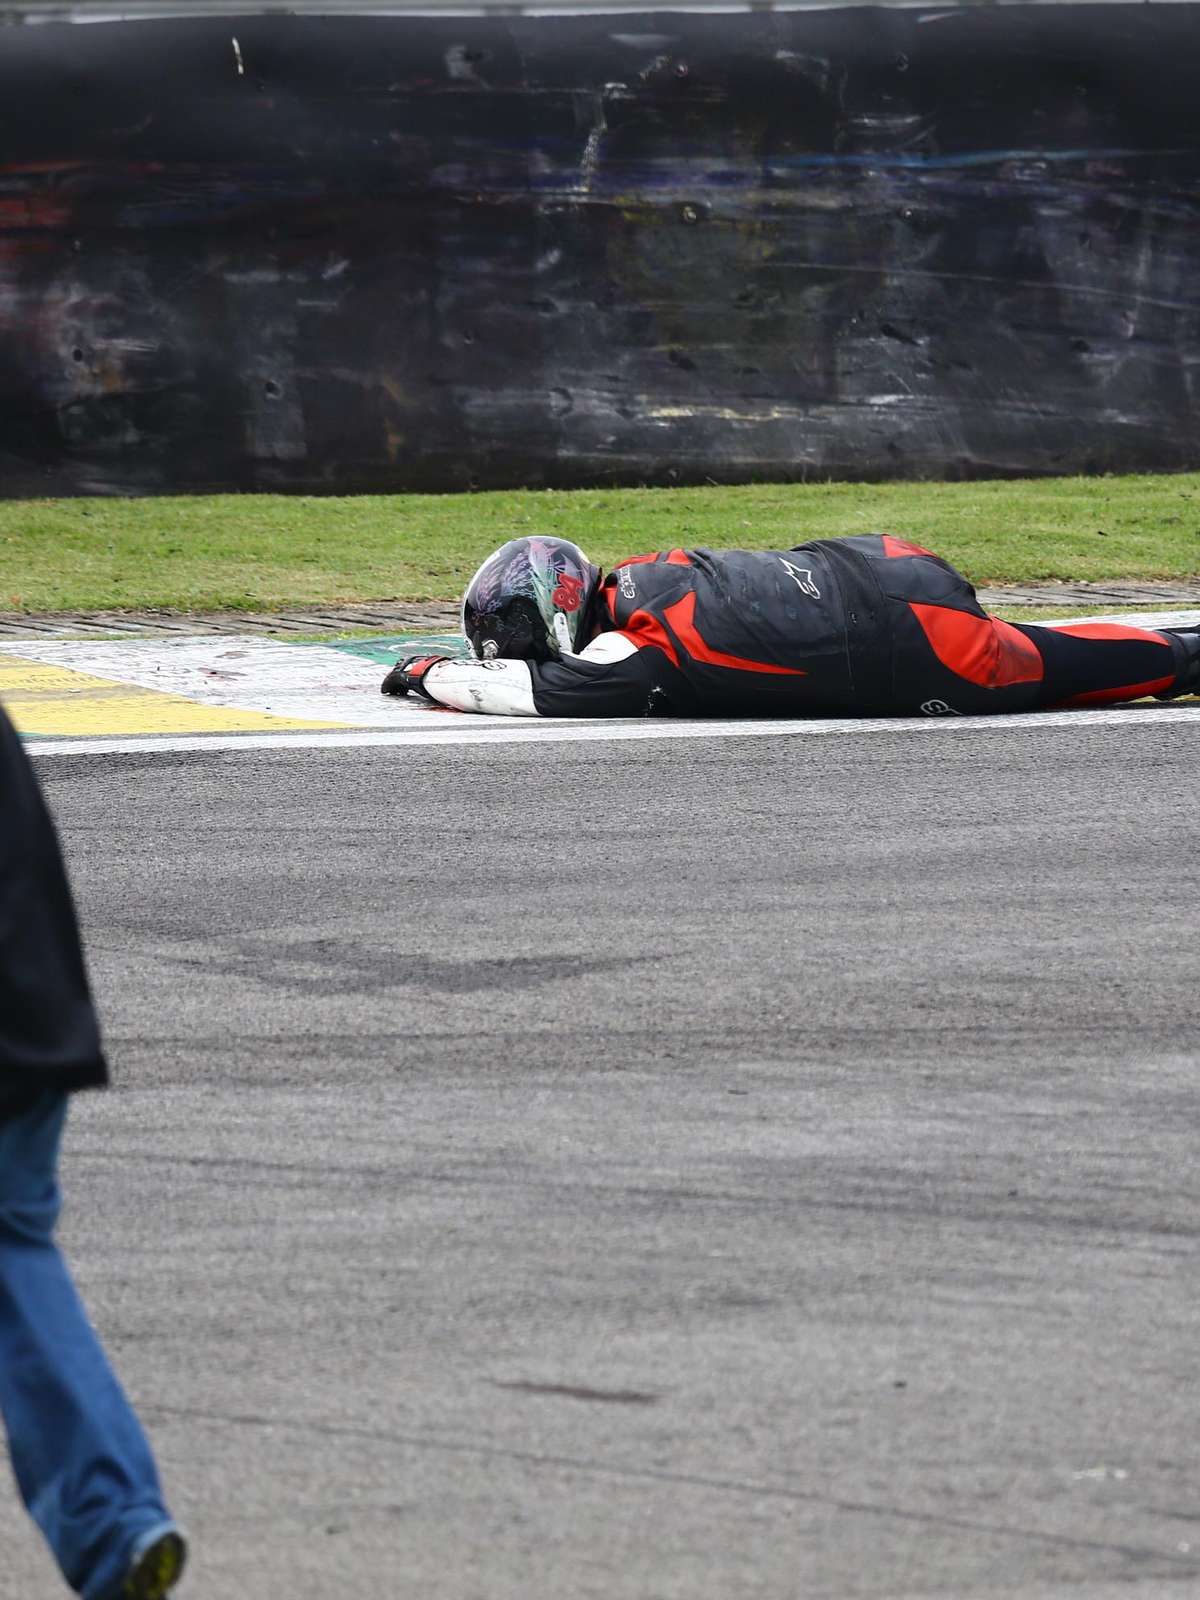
column 1188, row 681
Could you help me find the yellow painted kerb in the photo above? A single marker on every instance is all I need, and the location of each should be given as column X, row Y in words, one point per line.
column 55, row 700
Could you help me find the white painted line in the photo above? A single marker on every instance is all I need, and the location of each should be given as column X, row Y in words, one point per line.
column 1136, row 619
column 467, row 730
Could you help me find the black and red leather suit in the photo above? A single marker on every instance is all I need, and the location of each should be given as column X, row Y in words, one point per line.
column 868, row 625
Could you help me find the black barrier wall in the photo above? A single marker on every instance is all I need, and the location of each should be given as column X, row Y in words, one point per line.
column 352, row 252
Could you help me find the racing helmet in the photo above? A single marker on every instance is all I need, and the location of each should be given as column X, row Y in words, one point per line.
column 531, row 601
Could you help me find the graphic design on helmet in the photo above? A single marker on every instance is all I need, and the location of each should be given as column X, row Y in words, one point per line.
column 531, row 600
column 569, row 593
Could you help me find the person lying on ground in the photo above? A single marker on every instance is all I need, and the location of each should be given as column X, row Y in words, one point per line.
column 81, row 1460
column 869, row 625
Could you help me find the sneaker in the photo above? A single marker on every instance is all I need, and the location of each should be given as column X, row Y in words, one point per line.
column 1189, row 677
column 156, row 1567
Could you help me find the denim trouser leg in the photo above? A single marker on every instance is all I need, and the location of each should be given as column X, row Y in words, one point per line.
column 82, row 1463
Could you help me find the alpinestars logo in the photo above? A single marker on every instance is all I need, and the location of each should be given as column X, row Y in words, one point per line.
column 803, row 579
column 625, row 583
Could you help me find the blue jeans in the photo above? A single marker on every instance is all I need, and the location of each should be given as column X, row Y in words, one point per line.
column 81, row 1460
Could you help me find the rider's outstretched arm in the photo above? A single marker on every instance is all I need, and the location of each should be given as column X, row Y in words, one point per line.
column 612, row 678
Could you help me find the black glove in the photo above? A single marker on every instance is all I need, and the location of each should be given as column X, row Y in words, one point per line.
column 407, row 676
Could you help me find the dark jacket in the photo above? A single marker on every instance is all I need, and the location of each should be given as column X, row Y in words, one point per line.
column 797, row 632
column 49, row 1037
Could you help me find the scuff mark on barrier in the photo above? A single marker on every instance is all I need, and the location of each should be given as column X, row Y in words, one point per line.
column 591, row 114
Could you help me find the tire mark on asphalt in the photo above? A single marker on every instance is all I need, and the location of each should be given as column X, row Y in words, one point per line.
column 573, row 1391
column 890, row 1207
column 365, row 971
column 1186, row 1566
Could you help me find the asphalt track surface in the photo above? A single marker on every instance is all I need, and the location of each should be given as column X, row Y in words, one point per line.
column 709, row 1168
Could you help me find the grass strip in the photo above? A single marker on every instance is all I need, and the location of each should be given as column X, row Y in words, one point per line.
column 261, row 552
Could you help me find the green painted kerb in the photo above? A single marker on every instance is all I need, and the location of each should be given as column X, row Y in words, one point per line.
column 385, row 647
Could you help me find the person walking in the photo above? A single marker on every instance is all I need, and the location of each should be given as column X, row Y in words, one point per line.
column 82, row 1463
